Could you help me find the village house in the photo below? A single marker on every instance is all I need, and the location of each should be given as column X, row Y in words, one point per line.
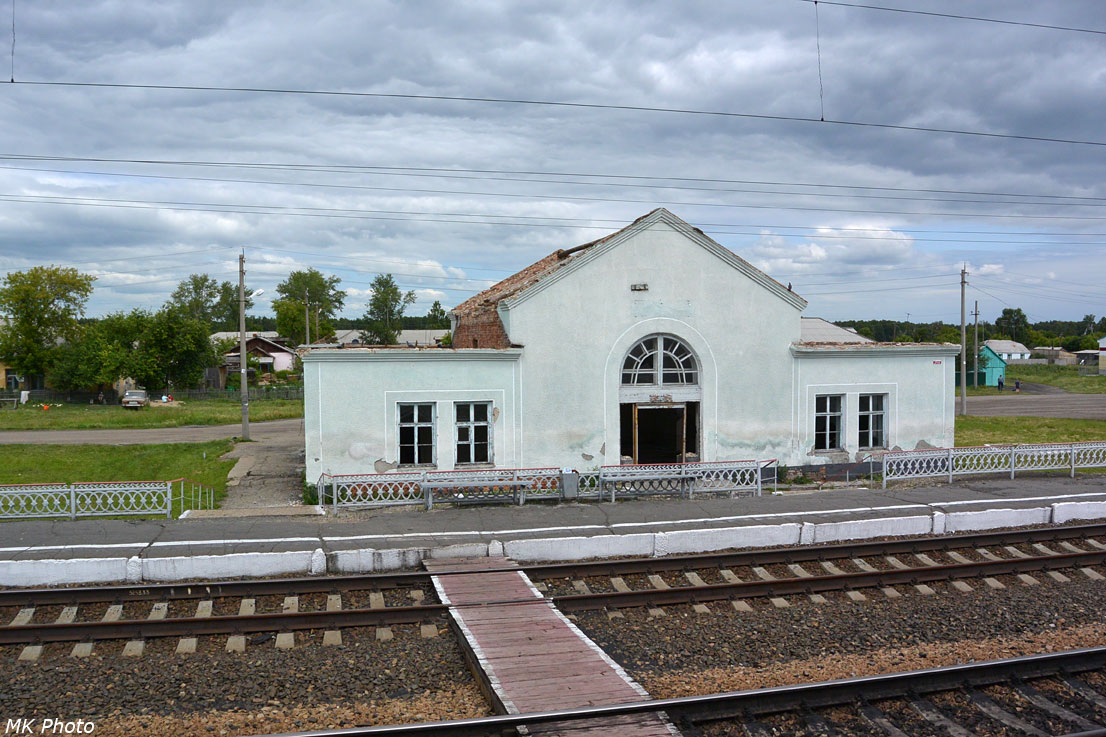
column 652, row 344
column 1008, row 350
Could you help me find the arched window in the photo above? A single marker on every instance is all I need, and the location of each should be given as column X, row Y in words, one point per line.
column 660, row 359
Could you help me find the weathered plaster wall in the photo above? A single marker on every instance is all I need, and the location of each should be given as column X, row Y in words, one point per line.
column 577, row 330
column 350, row 420
column 919, row 389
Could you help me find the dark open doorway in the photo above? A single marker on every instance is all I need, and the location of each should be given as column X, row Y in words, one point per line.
column 652, row 433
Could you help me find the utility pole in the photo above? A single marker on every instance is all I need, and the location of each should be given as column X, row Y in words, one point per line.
column 963, row 342
column 975, row 371
column 306, row 317
column 244, row 386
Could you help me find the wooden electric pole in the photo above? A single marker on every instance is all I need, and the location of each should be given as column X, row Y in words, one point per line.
column 975, row 374
column 306, row 318
column 963, row 342
column 244, row 385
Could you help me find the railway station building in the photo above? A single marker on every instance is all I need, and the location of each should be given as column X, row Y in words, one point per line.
column 653, row 344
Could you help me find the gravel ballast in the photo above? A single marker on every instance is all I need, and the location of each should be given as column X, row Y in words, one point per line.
column 820, row 635
column 407, row 678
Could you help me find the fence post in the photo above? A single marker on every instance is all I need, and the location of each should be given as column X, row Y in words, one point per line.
column 1071, row 453
column 950, row 465
column 72, row 502
column 884, row 459
column 1013, row 456
column 333, row 494
column 758, row 477
column 169, row 498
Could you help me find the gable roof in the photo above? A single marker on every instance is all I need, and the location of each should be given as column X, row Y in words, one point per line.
column 264, row 344
column 817, row 330
column 1005, row 346
column 534, row 277
column 990, row 357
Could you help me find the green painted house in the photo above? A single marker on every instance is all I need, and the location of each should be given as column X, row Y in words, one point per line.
column 991, row 368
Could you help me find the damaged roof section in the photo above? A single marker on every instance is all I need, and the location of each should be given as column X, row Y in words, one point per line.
column 532, row 274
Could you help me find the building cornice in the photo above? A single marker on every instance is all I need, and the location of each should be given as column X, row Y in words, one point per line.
column 867, row 350
column 359, row 355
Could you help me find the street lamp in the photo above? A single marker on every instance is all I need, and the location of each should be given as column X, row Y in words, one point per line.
column 244, row 386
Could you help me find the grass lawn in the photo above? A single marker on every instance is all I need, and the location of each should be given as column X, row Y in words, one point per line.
column 39, row 464
column 195, row 412
column 1065, row 377
column 1008, row 430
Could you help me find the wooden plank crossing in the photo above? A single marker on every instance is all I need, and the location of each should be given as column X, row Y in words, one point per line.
column 529, row 656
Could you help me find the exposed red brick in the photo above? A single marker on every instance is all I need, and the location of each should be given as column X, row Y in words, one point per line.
column 477, row 317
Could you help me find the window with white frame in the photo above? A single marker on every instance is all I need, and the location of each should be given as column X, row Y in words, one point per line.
column 827, row 422
column 873, row 421
column 660, row 359
column 474, row 432
column 416, row 434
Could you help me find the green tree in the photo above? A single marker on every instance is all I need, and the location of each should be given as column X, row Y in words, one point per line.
column 385, row 314
column 224, row 315
column 42, row 306
column 200, row 297
column 322, row 295
column 173, row 350
column 1014, row 323
column 1087, row 324
column 436, row 317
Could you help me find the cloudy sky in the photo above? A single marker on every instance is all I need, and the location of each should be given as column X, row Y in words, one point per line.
column 142, row 186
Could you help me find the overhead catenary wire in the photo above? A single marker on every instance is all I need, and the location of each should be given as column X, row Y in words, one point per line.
column 1101, row 202
column 448, row 172
column 954, row 16
column 564, row 104
column 273, row 209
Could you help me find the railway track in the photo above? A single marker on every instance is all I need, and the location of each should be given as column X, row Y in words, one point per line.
column 1039, row 695
column 40, row 616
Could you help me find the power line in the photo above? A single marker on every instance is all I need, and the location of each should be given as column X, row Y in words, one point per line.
column 280, row 209
column 326, row 185
column 563, row 104
column 958, row 17
column 448, row 172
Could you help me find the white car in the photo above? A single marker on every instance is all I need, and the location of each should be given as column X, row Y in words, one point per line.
column 135, row 399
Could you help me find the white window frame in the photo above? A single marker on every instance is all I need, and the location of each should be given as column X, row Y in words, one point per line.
column 657, row 350
column 469, row 426
column 417, row 424
column 838, row 433
column 872, row 415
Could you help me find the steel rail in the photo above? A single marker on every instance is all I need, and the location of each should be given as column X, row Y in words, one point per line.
column 777, row 699
column 615, row 567
column 799, row 554
column 820, row 584
column 238, row 624
column 221, row 625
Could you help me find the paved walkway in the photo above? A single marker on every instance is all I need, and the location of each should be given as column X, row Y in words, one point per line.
column 1076, row 406
column 269, row 472
column 415, row 529
column 259, row 431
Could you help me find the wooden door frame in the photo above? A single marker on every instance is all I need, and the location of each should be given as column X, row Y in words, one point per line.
column 682, row 443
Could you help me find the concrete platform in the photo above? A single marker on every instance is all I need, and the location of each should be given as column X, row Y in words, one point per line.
column 85, row 551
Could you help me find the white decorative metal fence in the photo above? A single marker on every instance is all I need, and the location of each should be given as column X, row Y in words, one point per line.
column 952, row 462
column 517, row 486
column 509, row 485
column 685, row 479
column 105, row 499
